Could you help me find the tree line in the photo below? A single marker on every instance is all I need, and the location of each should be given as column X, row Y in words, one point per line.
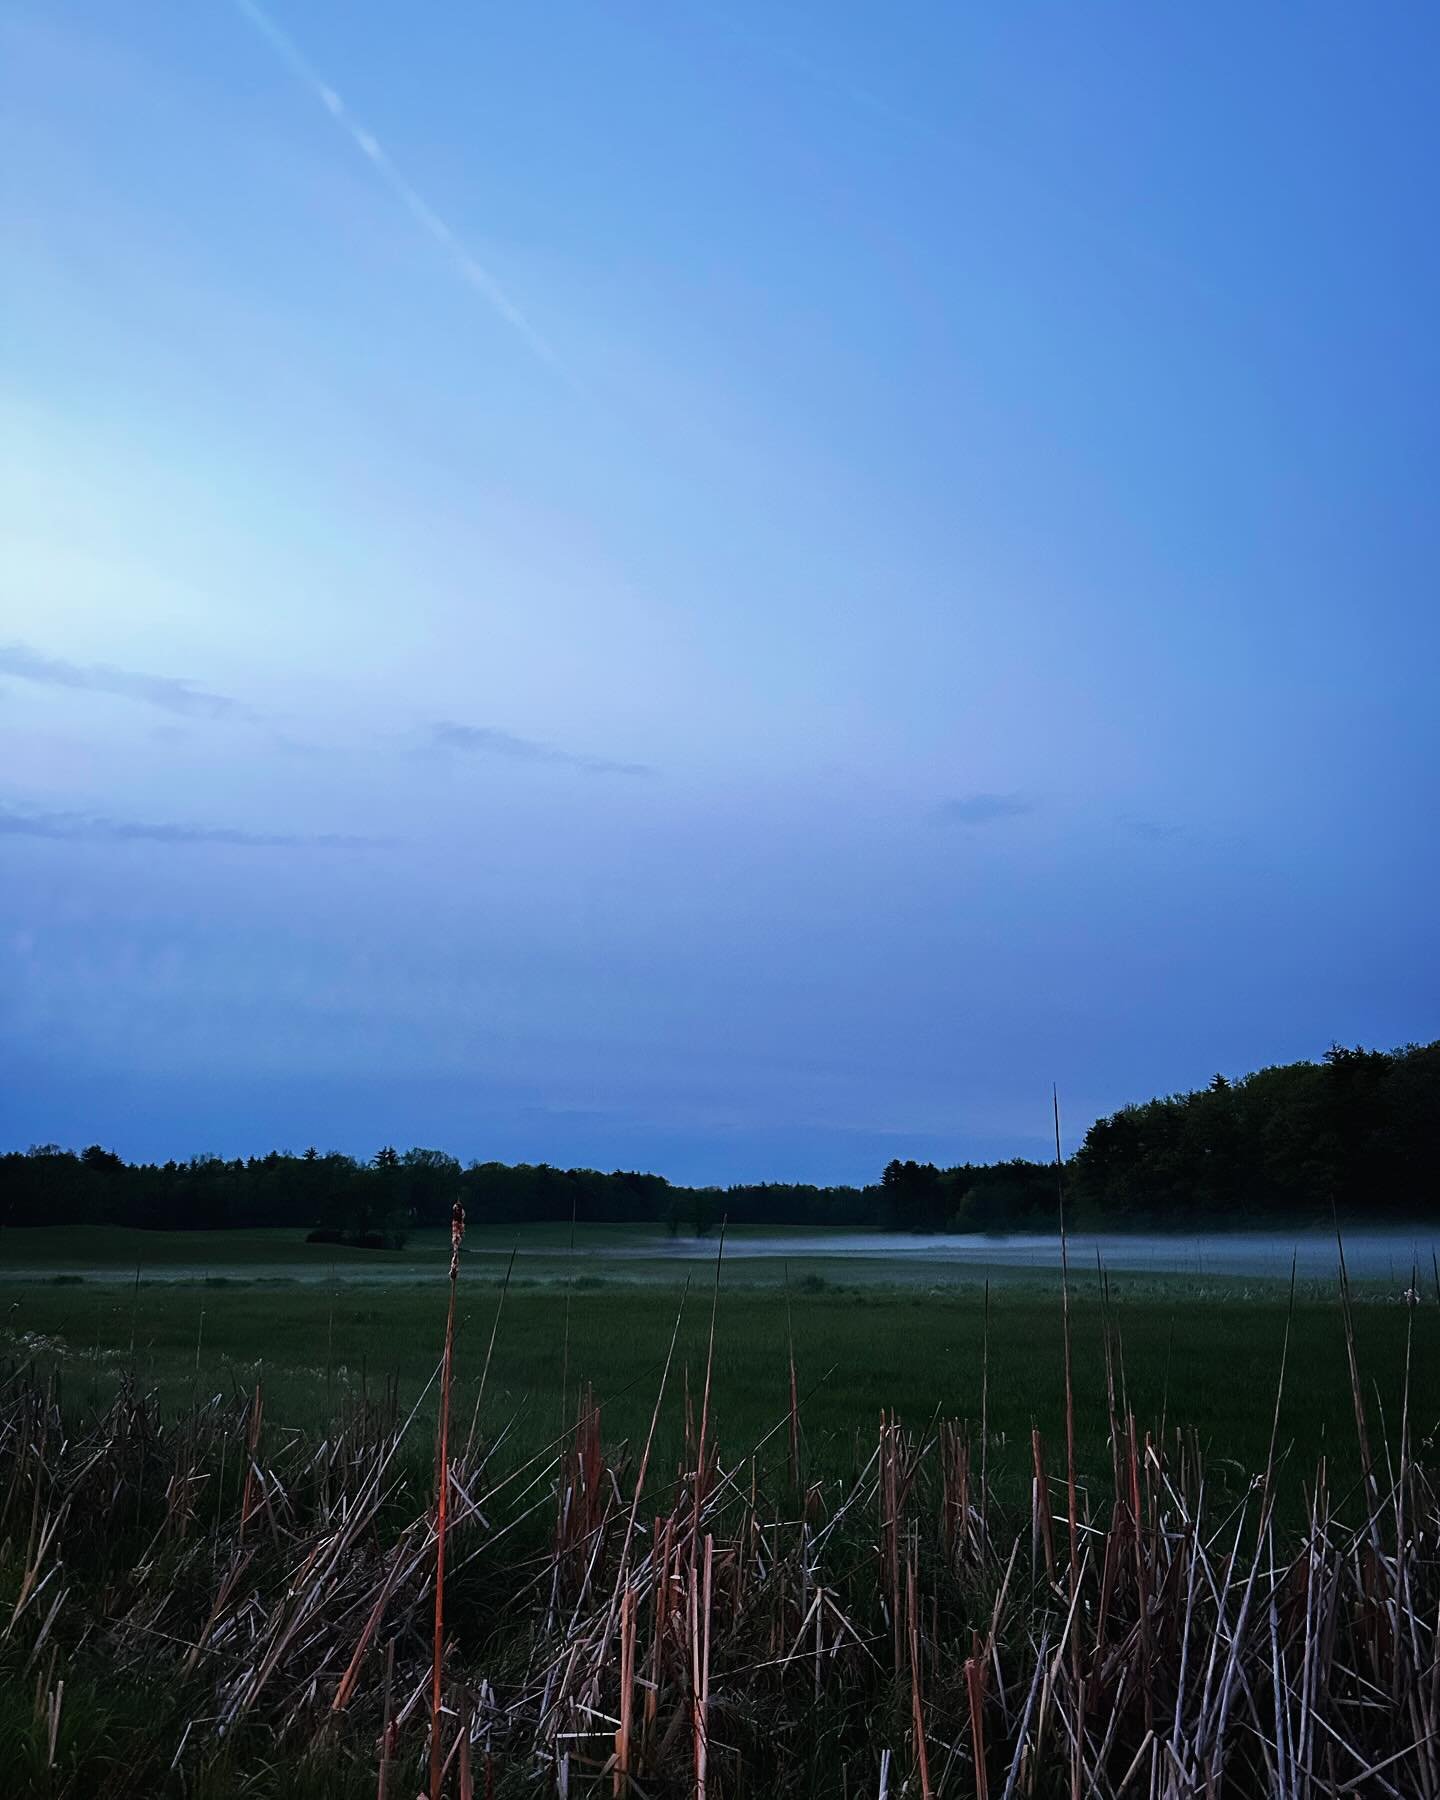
column 1355, row 1135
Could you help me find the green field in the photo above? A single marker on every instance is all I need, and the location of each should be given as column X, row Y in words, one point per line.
column 318, row 1326
column 190, row 1423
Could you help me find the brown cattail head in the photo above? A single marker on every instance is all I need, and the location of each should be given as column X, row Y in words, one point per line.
column 457, row 1234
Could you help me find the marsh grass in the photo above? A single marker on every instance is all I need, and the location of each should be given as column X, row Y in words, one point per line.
column 228, row 1586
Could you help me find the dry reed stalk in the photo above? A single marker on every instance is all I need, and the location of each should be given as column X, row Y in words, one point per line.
column 701, row 1468
column 975, row 1667
column 565, row 1342
column 623, row 1571
column 465, row 1780
column 793, row 1419
column 917, row 1708
column 442, row 1504
column 661, row 1607
column 1112, row 1420
column 387, row 1725
column 56, row 1701
column 985, row 1399
column 1041, row 1520
column 1022, row 1735
column 1353, row 1362
column 346, row 1686
column 239, row 1563
column 494, row 1329
column 954, row 1489
column 252, row 1447
column 627, row 1692
column 700, row 1655
column 889, row 1493
column 1070, row 1485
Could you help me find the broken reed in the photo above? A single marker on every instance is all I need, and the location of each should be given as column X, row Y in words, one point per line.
column 582, row 1621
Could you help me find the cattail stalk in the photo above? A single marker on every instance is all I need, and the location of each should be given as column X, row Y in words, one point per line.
column 701, row 1482
column 1069, row 1384
column 442, row 1506
column 794, row 1417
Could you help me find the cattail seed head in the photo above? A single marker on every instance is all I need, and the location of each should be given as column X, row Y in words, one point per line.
column 457, row 1233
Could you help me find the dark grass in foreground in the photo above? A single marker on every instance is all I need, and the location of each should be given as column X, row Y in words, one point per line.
column 687, row 1588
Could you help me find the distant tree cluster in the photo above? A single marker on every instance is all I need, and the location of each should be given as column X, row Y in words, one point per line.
column 1007, row 1196
column 337, row 1199
column 1356, row 1135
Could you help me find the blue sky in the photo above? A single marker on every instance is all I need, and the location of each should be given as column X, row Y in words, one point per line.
column 731, row 589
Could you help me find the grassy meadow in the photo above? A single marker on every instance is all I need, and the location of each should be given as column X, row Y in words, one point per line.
column 219, row 1531
column 200, row 1314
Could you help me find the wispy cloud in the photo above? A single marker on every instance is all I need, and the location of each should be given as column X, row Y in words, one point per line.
column 1151, row 829
column 982, row 809
column 167, row 692
column 471, row 271
column 82, row 827
column 488, row 740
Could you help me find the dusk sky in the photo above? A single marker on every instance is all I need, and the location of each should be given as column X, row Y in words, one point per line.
column 732, row 589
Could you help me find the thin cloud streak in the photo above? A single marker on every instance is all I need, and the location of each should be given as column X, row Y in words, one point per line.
column 982, row 809
column 96, row 828
column 473, row 272
column 168, row 692
column 488, row 740
column 1151, row 830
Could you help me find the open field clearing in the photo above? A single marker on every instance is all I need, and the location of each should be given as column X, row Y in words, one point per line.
column 858, row 1350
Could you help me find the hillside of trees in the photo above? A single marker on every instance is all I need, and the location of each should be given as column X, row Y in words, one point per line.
column 1356, row 1135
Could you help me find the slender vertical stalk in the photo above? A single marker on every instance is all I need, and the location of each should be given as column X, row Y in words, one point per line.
column 1357, row 1396
column 705, row 1399
column 640, row 1473
column 1069, row 1385
column 134, row 1310
column 700, row 1664
column 489, row 1349
column 442, row 1506
column 975, row 1686
column 387, row 1724
column 625, row 1730
column 985, row 1406
column 794, row 1420
column 917, row 1705
column 330, row 1354
column 565, row 1341
column 466, row 1779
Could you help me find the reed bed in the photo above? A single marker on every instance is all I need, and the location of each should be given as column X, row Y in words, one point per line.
column 201, row 1603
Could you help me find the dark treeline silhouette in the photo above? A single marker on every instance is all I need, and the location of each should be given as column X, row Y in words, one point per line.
column 1355, row 1135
